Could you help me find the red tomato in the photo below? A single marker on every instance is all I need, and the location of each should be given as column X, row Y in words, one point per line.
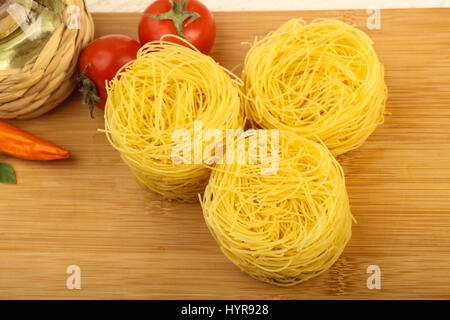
column 189, row 19
column 99, row 62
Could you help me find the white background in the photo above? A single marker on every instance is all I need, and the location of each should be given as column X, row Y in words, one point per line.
column 258, row 5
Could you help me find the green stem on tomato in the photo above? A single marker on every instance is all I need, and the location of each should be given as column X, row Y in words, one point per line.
column 178, row 14
column 89, row 90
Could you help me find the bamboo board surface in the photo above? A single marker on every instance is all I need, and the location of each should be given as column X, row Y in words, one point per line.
column 132, row 244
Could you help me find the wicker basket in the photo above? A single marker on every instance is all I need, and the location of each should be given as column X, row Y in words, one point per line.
column 50, row 77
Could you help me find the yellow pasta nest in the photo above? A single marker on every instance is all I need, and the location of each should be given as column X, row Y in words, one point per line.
column 168, row 88
column 286, row 227
column 322, row 81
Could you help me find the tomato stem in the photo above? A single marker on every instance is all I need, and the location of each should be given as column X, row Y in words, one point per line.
column 178, row 14
column 89, row 90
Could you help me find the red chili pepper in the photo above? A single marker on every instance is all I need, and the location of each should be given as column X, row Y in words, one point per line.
column 20, row 144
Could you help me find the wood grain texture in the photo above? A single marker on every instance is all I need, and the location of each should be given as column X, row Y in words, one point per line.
column 132, row 244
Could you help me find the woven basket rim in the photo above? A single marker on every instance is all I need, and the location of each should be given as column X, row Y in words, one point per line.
column 49, row 77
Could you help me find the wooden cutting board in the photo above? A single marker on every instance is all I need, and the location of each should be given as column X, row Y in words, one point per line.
column 130, row 243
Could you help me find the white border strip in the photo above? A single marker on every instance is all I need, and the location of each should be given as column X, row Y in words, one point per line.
column 271, row 5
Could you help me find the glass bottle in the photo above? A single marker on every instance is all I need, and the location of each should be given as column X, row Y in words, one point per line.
column 25, row 28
